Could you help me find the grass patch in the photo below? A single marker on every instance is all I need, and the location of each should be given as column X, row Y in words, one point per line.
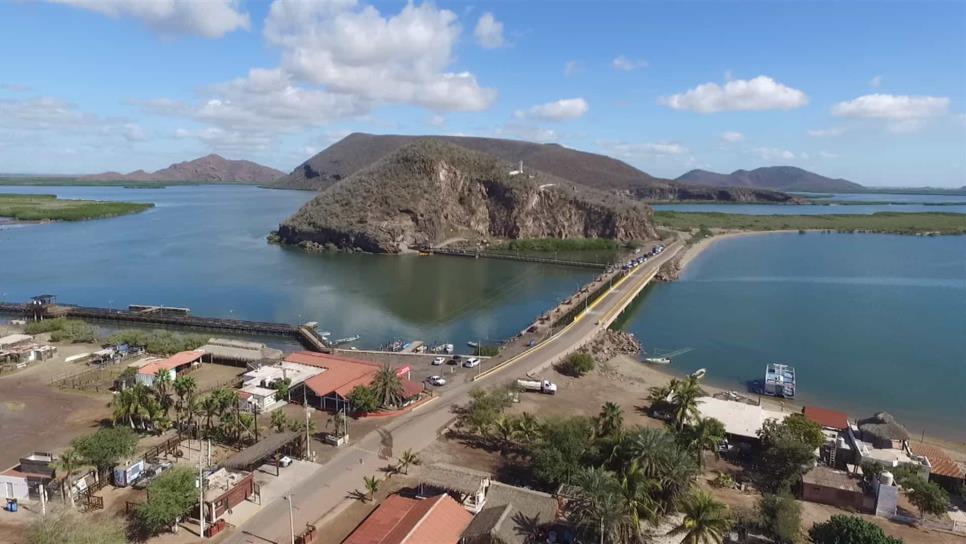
column 51, row 208
column 881, row 222
column 160, row 341
column 62, row 329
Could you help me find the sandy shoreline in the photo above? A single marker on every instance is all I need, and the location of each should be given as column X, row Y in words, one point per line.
column 957, row 449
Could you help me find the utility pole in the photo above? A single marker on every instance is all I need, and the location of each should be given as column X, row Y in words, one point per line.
column 308, row 450
column 291, row 516
column 43, row 500
column 201, row 489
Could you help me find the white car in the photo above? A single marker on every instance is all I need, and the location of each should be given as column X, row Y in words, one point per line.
column 471, row 362
column 436, row 380
column 285, row 461
column 438, row 361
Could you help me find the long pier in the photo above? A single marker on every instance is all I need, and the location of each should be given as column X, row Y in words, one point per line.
column 306, row 335
column 512, row 257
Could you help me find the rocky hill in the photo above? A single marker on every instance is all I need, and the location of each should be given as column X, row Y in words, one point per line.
column 429, row 190
column 774, row 178
column 357, row 151
column 211, row 168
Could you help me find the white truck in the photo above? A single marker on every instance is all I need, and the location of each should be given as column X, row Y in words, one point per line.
column 546, row 387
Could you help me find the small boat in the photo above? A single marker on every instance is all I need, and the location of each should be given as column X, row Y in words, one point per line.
column 699, row 373
column 448, row 348
column 473, row 344
column 658, row 360
column 341, row 341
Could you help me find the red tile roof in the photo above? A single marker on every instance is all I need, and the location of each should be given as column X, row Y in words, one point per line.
column 399, row 520
column 827, row 418
column 178, row 359
column 942, row 464
column 342, row 375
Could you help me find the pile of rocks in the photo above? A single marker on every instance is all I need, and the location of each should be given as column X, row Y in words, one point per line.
column 670, row 270
column 610, row 343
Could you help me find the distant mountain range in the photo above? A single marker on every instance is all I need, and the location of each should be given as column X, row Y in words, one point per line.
column 775, row 178
column 210, row 168
column 358, row 151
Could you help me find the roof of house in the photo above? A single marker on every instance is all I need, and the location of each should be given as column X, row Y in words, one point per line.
column 453, row 478
column 178, row 359
column 739, row 418
column 883, row 426
column 827, row 477
column 941, row 463
column 826, row 418
column 259, row 451
column 400, row 520
column 239, row 350
column 15, row 339
column 342, row 375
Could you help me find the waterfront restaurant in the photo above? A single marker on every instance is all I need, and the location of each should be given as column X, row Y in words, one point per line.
column 330, row 389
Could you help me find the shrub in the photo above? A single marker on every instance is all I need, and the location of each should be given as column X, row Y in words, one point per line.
column 363, row 399
column 577, row 364
column 841, row 529
column 160, row 341
column 169, row 497
column 781, row 517
column 75, row 331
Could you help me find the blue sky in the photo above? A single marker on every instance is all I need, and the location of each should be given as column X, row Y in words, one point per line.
column 872, row 92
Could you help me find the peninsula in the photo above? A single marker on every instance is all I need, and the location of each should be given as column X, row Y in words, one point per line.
column 23, row 207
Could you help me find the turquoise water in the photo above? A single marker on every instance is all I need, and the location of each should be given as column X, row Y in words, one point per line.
column 203, row 247
column 871, row 322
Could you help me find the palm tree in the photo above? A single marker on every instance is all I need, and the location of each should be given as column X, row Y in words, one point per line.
column 407, row 459
column 599, row 509
column 279, row 421
column 528, row 428
column 387, row 387
column 162, row 390
column 68, row 462
column 610, row 421
column 648, row 451
column 283, row 388
column 705, row 434
column 684, row 404
column 372, row 486
column 210, row 407
column 121, row 404
column 505, row 428
column 184, row 387
column 705, row 520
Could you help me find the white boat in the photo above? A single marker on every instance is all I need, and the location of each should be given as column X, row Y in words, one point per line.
column 699, row 373
column 341, row 341
column 658, row 360
column 473, row 344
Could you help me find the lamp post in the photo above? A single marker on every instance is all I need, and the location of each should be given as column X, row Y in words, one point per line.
column 291, row 517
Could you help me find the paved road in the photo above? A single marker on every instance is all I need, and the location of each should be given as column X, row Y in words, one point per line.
column 328, row 488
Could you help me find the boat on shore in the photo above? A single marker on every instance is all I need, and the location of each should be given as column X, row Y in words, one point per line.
column 699, row 373
column 779, row 381
column 346, row 340
column 658, row 360
column 473, row 344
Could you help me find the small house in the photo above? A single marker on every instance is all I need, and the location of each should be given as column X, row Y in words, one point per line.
column 835, row 487
column 24, row 480
column 404, row 520
column 176, row 364
column 224, row 490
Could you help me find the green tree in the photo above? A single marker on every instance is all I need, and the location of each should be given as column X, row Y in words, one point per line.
column 371, row 484
column 69, row 527
column 684, row 402
column 170, row 496
column 363, row 400
column 184, row 387
column 809, row 432
column 484, row 408
column 104, row 448
column 387, row 387
column 528, row 428
column 163, row 385
column 610, row 421
column 282, row 389
column 279, row 421
column 787, row 453
column 703, row 434
column 68, row 463
column 505, row 429
column 599, row 509
column 578, row 364
column 842, row 529
column 927, row 496
column 408, row 459
column 871, row 470
column 781, row 518
column 705, row 520
column 565, row 445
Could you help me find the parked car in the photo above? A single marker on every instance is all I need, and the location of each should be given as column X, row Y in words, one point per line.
column 285, row 461
column 456, row 360
column 471, row 362
column 438, row 361
column 436, row 380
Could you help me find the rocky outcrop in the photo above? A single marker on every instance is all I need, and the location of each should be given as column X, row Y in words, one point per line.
column 429, row 191
column 610, row 343
column 668, row 191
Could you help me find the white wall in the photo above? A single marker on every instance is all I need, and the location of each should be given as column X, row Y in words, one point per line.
column 19, row 485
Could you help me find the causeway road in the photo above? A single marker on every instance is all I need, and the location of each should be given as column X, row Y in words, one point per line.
column 329, row 489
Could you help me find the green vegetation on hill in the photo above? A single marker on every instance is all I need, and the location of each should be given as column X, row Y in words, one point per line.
column 161, row 342
column 562, row 244
column 881, row 222
column 51, row 208
column 62, row 329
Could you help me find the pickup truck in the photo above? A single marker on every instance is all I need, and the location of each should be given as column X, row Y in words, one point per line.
column 546, row 387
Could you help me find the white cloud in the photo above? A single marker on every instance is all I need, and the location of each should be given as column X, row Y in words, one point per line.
column 207, row 18
column 560, row 110
column 828, row 154
column 625, row 64
column 772, row 153
column 527, row 132
column 732, row 137
column 14, row 87
column 760, row 93
column 892, row 107
column 571, row 67
column 354, row 50
column 875, row 82
column 437, row 120
column 489, row 32
column 638, row 150
column 826, row 132
column 134, row 133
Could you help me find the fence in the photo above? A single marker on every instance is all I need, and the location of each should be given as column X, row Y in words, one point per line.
column 93, row 379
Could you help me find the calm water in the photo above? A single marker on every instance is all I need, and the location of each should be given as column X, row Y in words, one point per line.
column 204, row 247
column 958, row 206
column 871, row 322
column 888, row 197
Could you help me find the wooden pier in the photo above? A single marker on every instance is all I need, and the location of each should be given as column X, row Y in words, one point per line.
column 514, row 257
